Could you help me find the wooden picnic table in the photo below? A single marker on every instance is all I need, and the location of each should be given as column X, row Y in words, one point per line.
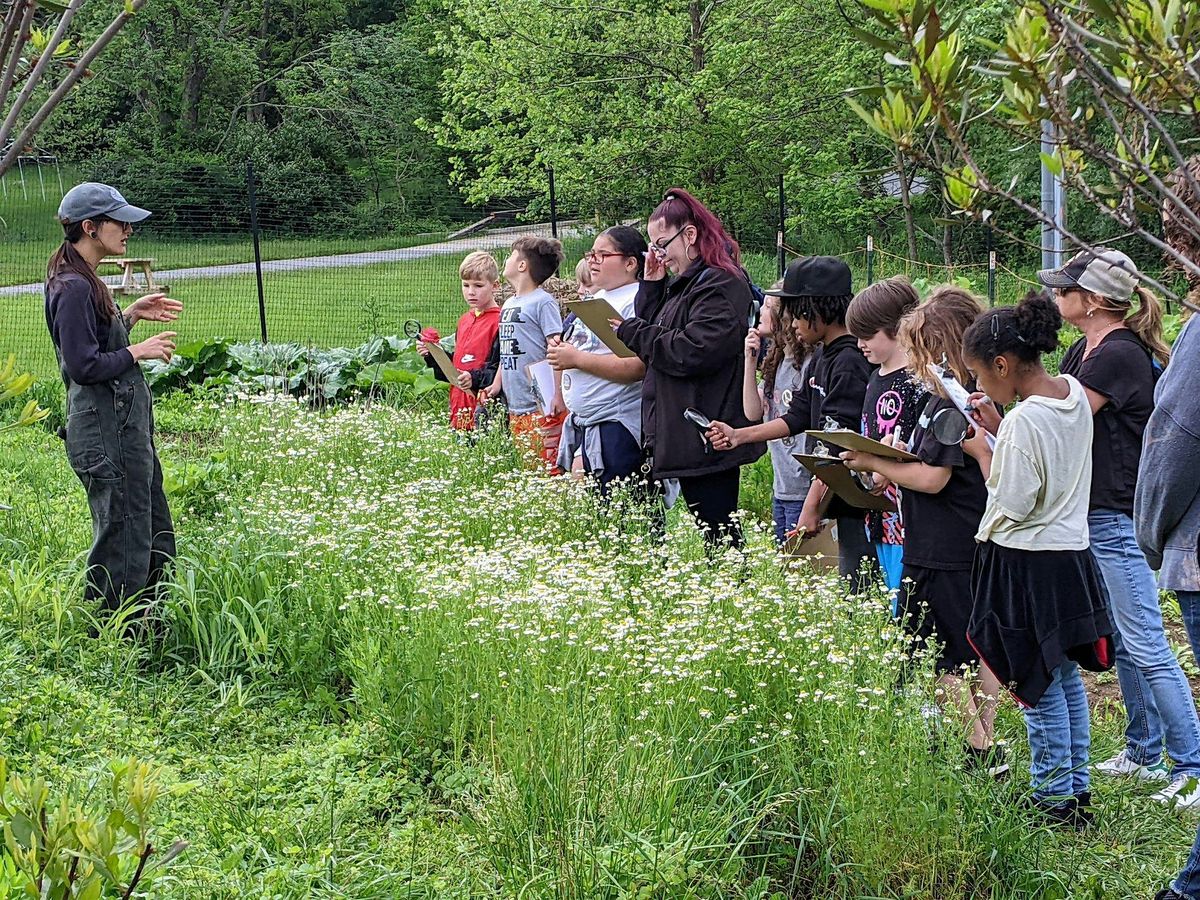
column 129, row 285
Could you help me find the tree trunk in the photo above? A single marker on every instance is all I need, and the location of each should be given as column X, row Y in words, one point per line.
column 948, row 244
column 910, row 226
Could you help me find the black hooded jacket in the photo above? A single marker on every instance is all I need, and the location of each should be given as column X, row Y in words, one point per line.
column 690, row 332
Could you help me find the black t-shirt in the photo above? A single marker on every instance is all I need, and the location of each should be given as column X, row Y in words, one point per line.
column 891, row 404
column 835, row 391
column 940, row 528
column 1121, row 369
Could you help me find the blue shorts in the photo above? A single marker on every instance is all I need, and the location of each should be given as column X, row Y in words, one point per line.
column 891, row 562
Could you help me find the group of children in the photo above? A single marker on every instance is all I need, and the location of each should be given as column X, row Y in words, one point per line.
column 989, row 550
column 495, row 345
column 995, row 551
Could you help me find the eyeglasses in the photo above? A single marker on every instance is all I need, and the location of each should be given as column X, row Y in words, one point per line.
column 599, row 255
column 661, row 249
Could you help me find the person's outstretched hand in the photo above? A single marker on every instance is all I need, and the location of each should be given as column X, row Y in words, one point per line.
column 154, row 308
column 161, row 346
column 722, row 436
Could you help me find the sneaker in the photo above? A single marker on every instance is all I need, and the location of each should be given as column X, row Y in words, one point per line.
column 1170, row 894
column 1182, row 793
column 1121, row 766
column 993, row 760
column 1063, row 814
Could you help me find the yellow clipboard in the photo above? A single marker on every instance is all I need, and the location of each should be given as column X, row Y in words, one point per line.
column 842, row 482
column 442, row 360
column 852, row 440
column 595, row 313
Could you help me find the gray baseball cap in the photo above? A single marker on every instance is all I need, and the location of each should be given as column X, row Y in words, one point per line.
column 90, row 200
column 1109, row 273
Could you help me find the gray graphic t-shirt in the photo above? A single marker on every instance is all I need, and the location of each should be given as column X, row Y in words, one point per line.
column 791, row 479
column 525, row 323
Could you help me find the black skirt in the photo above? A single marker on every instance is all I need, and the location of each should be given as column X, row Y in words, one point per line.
column 1035, row 609
column 935, row 605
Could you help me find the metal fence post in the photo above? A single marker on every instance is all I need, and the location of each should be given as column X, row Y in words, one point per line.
column 991, row 270
column 782, row 235
column 870, row 260
column 553, row 204
column 253, row 198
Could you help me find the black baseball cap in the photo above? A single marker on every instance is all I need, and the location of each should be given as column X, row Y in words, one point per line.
column 815, row 276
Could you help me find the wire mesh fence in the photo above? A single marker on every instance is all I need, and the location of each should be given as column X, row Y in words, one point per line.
column 307, row 258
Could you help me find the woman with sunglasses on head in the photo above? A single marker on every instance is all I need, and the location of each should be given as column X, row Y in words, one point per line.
column 602, row 391
column 110, row 423
column 689, row 330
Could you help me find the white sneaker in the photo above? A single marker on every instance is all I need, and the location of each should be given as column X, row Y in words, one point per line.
column 1182, row 793
column 1121, row 766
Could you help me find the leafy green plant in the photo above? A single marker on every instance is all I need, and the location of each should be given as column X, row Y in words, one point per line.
column 320, row 376
column 74, row 849
column 12, row 385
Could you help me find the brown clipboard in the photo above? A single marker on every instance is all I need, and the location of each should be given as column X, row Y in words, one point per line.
column 819, row 549
column 852, row 440
column 442, row 360
column 842, row 482
column 595, row 314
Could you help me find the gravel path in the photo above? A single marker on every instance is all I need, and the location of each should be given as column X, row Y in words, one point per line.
column 490, row 240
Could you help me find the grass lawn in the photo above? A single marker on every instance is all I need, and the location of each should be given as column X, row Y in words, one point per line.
column 397, row 666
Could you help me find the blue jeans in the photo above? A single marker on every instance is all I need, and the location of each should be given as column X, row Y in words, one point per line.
column 1188, row 881
column 1158, row 699
column 1059, row 737
column 786, row 514
column 1189, row 606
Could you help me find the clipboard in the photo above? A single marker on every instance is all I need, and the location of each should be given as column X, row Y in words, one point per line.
column 595, row 313
column 820, row 550
column 842, row 482
column 852, row 440
column 442, row 360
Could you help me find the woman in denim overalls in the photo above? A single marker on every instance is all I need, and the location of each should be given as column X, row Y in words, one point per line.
column 110, row 422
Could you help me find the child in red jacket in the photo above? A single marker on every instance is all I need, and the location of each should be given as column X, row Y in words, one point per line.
column 476, row 348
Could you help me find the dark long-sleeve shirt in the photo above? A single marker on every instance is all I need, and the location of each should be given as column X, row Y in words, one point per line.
column 1166, row 505
column 79, row 333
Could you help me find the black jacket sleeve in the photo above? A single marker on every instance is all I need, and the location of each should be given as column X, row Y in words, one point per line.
column 710, row 339
column 486, row 374
column 798, row 417
column 74, row 328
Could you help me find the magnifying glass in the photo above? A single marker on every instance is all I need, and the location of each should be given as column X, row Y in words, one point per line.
column 702, row 423
column 413, row 329
column 949, row 426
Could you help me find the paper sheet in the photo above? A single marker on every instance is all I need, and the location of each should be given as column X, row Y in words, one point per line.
column 595, row 314
column 541, row 375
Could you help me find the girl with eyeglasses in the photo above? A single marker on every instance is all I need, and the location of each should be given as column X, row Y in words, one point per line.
column 110, row 421
column 689, row 330
column 602, row 391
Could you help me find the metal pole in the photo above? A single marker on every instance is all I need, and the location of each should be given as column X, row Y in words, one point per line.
column 262, row 303
column 553, row 204
column 991, row 276
column 1053, row 203
column 782, row 236
column 870, row 260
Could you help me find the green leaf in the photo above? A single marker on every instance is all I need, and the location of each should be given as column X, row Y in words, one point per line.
column 1052, row 162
